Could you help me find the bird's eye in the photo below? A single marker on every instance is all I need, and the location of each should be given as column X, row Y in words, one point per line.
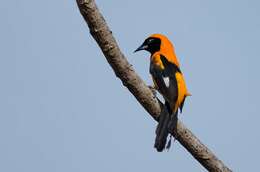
column 150, row 41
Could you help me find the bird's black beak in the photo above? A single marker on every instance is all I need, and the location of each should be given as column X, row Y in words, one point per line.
column 142, row 47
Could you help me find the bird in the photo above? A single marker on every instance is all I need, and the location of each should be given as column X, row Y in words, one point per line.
column 168, row 81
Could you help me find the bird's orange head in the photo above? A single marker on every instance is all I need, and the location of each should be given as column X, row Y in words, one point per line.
column 158, row 43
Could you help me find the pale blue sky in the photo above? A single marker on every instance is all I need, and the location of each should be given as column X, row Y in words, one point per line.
column 63, row 109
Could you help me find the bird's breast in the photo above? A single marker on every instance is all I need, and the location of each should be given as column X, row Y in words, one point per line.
column 156, row 61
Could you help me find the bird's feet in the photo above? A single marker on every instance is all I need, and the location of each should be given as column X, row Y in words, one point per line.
column 152, row 88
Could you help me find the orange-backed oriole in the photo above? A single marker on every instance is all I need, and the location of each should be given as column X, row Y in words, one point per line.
column 168, row 81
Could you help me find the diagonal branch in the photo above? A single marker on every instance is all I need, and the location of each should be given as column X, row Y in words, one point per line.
column 123, row 70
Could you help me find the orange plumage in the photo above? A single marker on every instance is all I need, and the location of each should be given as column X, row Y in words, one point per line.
column 168, row 80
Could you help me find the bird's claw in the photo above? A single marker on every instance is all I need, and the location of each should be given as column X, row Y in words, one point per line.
column 152, row 88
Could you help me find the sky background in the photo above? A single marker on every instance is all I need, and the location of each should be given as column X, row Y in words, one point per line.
column 63, row 109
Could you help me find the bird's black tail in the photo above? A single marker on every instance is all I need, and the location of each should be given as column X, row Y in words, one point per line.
column 162, row 129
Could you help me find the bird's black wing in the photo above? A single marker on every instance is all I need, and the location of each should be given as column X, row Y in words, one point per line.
column 167, row 85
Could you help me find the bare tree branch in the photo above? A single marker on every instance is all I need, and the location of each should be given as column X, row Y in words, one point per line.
column 123, row 70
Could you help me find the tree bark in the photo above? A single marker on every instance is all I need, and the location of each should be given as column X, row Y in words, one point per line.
column 123, row 70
